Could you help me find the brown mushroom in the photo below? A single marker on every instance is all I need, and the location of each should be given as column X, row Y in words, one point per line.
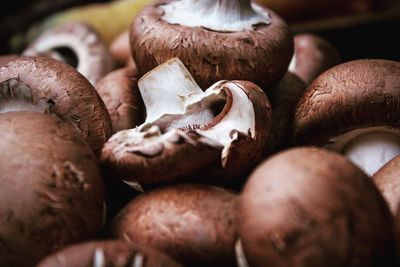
column 310, row 207
column 195, row 224
column 108, row 253
column 77, row 44
column 216, row 40
column 120, row 49
column 4, row 59
column 50, row 86
column 353, row 109
column 51, row 191
column 222, row 131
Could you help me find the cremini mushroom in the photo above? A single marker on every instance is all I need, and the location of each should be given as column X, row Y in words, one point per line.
column 51, row 191
column 4, row 59
column 77, row 44
column 49, row 86
column 195, row 224
column 222, row 131
column 112, row 253
column 311, row 207
column 353, row 109
column 216, row 40
column 120, row 49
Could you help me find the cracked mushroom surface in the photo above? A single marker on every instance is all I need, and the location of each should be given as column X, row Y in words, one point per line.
column 353, row 108
column 51, row 191
column 76, row 44
column 49, row 86
column 222, row 132
column 108, row 254
column 311, row 207
column 216, row 40
column 195, row 224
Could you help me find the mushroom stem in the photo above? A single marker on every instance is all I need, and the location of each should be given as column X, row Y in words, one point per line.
column 370, row 151
column 221, row 15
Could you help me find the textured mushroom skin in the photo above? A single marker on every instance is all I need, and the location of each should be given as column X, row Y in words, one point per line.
column 107, row 253
column 261, row 55
column 4, row 59
column 69, row 94
column 121, row 96
column 51, row 193
column 353, row 95
column 310, row 207
column 195, row 224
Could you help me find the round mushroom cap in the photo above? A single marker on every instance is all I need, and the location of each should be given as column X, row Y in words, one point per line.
column 4, row 59
column 357, row 94
column 108, row 253
column 59, row 89
column 195, row 224
column 261, row 55
column 120, row 49
column 310, row 207
column 51, row 191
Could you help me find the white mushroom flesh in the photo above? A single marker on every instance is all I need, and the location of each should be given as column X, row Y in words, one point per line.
column 240, row 257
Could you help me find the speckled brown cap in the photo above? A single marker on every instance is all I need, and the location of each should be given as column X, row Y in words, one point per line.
column 61, row 90
column 310, row 207
column 51, row 191
column 195, row 224
column 353, row 95
column 4, row 59
column 108, row 253
column 261, row 55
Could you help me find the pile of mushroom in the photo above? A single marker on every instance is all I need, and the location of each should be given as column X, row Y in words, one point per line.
column 206, row 134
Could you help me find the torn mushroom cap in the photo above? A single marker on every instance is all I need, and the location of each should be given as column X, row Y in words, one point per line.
column 51, row 190
column 76, row 44
column 353, row 109
column 195, row 224
column 108, row 253
column 50, row 86
column 216, row 40
column 120, row 94
column 187, row 129
column 311, row 207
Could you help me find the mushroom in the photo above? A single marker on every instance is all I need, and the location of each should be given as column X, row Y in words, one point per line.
column 216, row 40
column 312, row 56
column 311, row 207
column 77, row 44
column 195, row 224
column 4, row 59
column 51, row 191
column 397, row 235
column 222, row 131
column 49, row 86
column 111, row 253
column 120, row 94
column 120, row 49
column 353, row 109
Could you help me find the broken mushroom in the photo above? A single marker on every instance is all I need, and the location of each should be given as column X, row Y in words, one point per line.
column 76, row 44
column 223, row 130
column 111, row 253
column 353, row 109
column 216, row 40
column 311, row 207
column 195, row 224
column 51, row 191
column 49, row 86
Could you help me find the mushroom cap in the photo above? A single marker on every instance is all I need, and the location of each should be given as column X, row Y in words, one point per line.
column 261, row 55
column 120, row 49
column 357, row 94
column 195, row 224
column 120, row 94
column 67, row 93
column 51, row 191
column 310, row 207
column 387, row 179
column 113, row 253
column 4, row 59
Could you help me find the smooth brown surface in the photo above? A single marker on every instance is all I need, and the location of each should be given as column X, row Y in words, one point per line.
column 356, row 94
column 120, row 49
column 114, row 253
column 261, row 55
column 309, row 207
column 68, row 94
column 120, row 94
column 194, row 224
column 51, row 191
column 313, row 55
